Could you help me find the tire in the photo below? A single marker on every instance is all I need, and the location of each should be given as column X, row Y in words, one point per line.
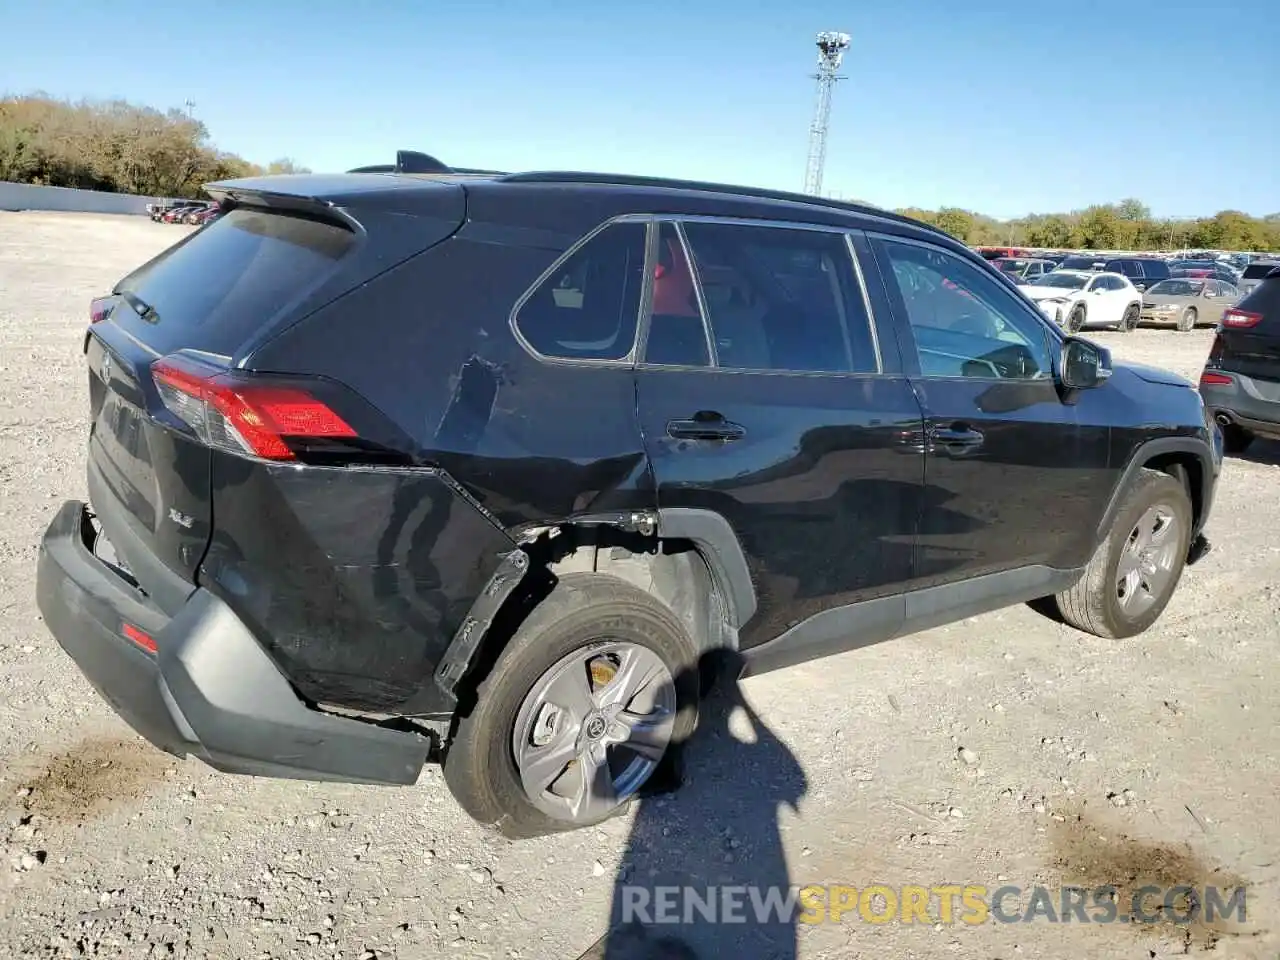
column 1129, row 322
column 1075, row 320
column 1187, row 322
column 1094, row 603
column 1235, row 439
column 582, row 613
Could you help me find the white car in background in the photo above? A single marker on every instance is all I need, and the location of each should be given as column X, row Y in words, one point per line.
column 1075, row 299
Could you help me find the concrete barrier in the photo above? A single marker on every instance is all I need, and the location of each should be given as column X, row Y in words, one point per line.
column 26, row 196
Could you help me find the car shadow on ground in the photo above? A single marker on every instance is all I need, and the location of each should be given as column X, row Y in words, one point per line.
column 1265, row 452
column 704, row 874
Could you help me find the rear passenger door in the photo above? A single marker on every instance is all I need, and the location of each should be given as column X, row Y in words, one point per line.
column 1012, row 479
column 770, row 396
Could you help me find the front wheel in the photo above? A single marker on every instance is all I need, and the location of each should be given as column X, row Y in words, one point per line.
column 1187, row 322
column 578, row 711
column 1132, row 575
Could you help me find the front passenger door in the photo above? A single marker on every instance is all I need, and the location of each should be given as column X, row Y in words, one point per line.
column 1011, row 477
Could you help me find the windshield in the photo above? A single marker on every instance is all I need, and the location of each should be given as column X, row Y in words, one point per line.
column 1178, row 288
column 1012, row 266
column 1066, row 281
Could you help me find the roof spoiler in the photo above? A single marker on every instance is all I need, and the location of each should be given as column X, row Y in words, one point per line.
column 414, row 161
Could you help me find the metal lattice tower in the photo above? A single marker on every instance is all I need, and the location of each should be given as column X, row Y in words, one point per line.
column 831, row 49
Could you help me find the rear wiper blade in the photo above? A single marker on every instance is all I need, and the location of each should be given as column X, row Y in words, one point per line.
column 140, row 306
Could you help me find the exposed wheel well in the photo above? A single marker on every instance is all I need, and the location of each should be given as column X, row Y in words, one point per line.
column 672, row 570
column 1188, row 470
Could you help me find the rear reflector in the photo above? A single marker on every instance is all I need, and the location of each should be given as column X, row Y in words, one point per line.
column 99, row 307
column 137, row 636
column 1215, row 380
column 1240, row 319
column 232, row 413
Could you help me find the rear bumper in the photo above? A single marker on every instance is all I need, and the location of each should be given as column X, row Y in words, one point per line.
column 209, row 690
column 1242, row 403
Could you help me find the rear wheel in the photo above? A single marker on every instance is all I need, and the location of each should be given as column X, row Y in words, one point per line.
column 1075, row 321
column 578, row 711
column 1187, row 322
column 1132, row 575
column 1129, row 321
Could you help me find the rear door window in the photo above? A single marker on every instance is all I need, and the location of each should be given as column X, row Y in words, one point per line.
column 782, row 298
column 587, row 306
column 219, row 287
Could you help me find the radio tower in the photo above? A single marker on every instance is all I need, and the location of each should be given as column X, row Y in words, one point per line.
column 831, row 48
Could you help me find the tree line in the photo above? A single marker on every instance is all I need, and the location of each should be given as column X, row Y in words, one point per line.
column 120, row 147
column 1127, row 225
column 114, row 146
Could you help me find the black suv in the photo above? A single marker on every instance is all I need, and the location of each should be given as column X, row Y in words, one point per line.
column 1143, row 272
column 391, row 467
column 1241, row 379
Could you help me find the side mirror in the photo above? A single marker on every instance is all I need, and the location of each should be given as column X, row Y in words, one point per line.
column 1084, row 364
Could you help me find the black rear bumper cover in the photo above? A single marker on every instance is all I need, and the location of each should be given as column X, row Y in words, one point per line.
column 210, row 690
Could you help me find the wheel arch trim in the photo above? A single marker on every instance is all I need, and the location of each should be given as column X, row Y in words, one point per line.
column 716, row 540
column 1150, row 450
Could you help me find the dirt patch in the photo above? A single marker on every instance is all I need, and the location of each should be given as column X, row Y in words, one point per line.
column 1160, row 889
column 94, row 776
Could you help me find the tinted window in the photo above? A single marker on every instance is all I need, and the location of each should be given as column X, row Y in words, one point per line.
column 676, row 335
column 1256, row 271
column 587, row 308
column 217, row 289
column 1155, row 268
column 782, row 299
column 1078, row 263
column 1130, row 268
column 966, row 324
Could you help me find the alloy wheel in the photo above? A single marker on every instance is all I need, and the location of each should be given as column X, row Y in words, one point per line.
column 1148, row 560
column 593, row 728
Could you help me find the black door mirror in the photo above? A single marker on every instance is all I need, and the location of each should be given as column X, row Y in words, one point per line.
column 1084, row 364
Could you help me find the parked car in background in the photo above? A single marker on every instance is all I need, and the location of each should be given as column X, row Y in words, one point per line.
column 340, row 527
column 1187, row 302
column 160, row 211
column 1204, row 268
column 1255, row 272
column 1079, row 261
column 1240, row 383
column 1076, row 299
column 207, row 215
column 1022, row 269
column 1141, row 271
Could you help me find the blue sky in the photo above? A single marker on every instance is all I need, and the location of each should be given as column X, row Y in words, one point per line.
column 1007, row 108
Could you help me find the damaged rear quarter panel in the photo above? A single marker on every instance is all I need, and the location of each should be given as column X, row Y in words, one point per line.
column 354, row 579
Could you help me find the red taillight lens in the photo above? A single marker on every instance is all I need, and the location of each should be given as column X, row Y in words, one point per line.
column 1214, row 380
column 99, row 307
column 239, row 416
column 1240, row 319
column 142, row 639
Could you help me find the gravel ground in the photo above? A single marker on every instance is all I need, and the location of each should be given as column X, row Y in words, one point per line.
column 1003, row 749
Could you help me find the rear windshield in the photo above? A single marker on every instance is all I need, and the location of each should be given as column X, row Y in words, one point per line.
column 1078, row 263
column 215, row 290
column 1256, row 271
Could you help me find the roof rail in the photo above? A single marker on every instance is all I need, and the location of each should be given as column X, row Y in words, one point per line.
column 562, row 176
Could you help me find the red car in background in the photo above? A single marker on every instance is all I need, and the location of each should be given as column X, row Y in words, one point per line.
column 206, row 215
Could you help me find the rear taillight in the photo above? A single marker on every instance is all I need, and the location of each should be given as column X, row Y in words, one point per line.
column 229, row 411
column 1208, row 379
column 1240, row 319
column 99, row 307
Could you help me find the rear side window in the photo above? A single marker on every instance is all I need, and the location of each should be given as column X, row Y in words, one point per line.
column 216, row 290
column 1130, row 268
column 586, row 308
column 1155, row 268
column 781, row 298
column 1256, row 271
